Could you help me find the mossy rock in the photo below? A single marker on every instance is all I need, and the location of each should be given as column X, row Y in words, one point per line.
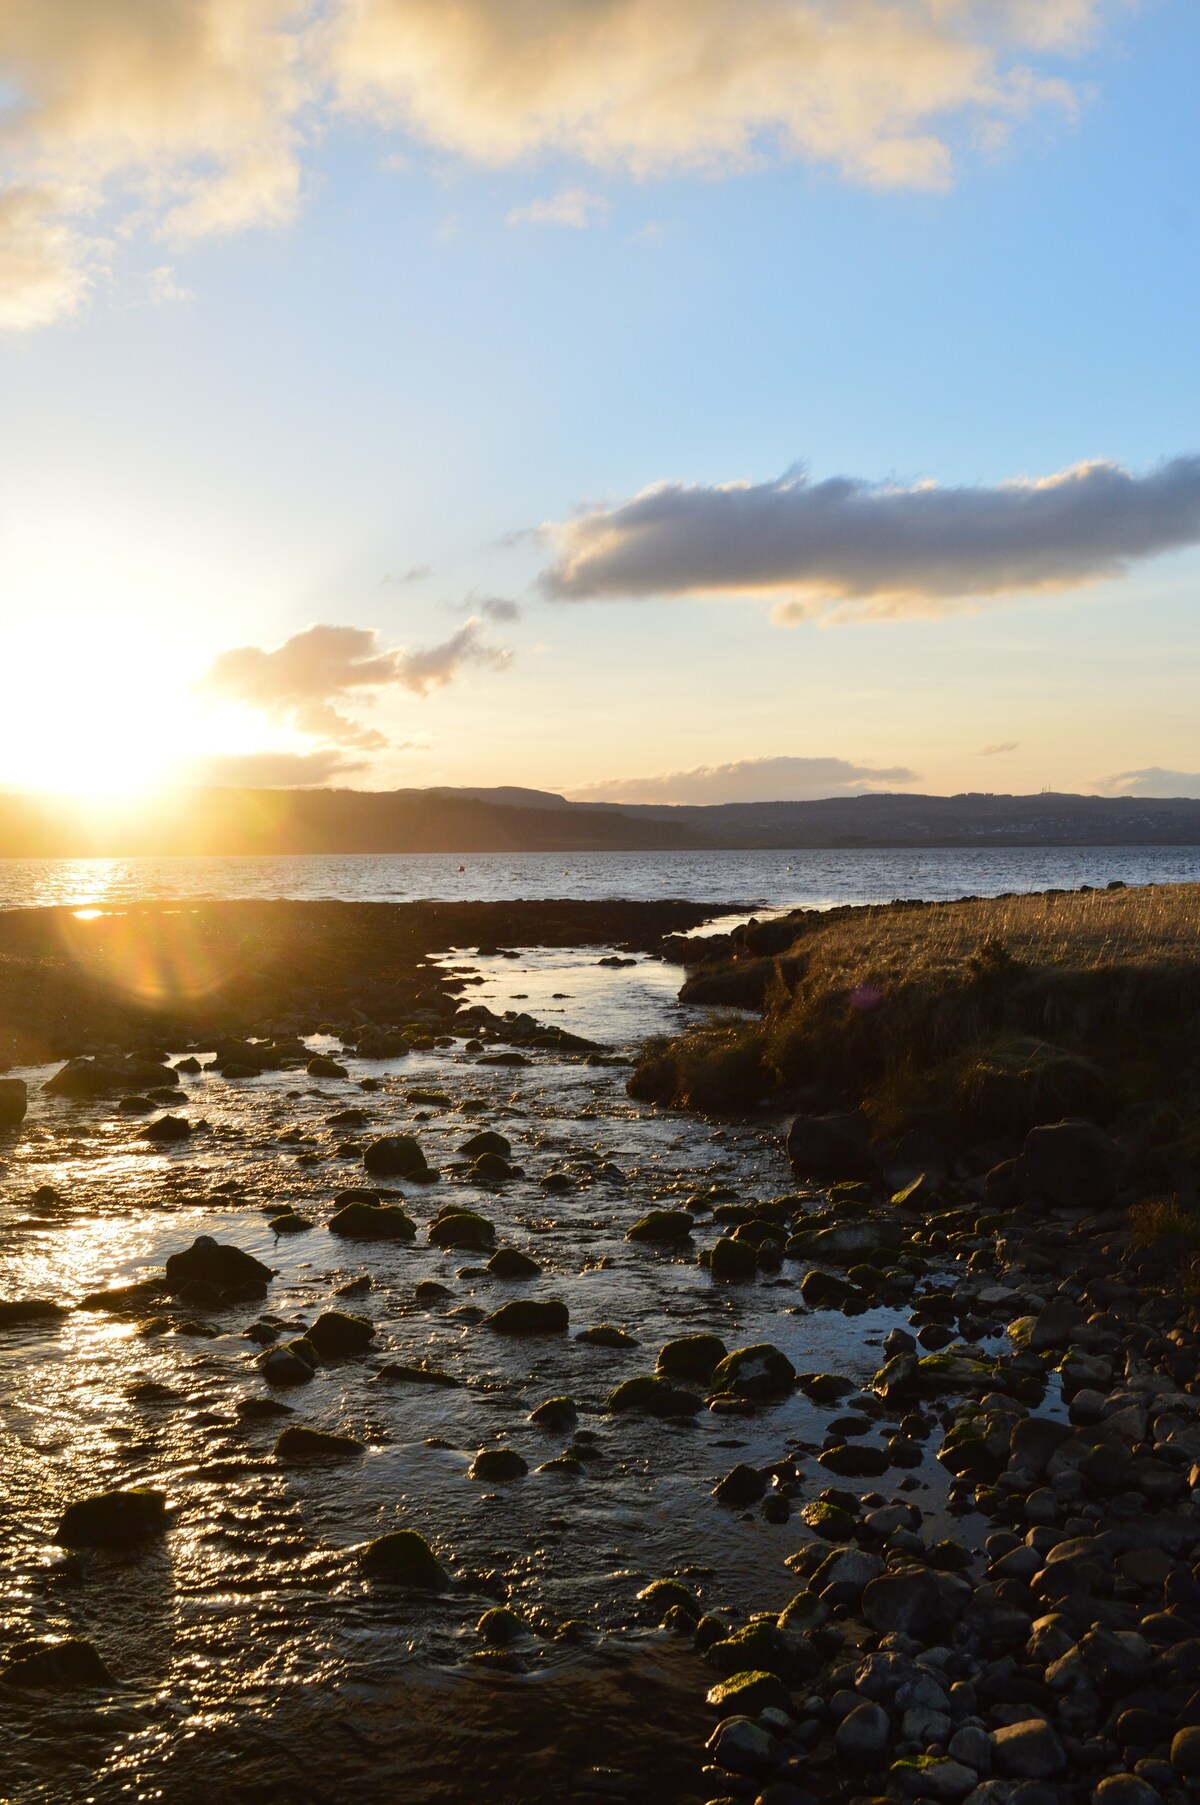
column 653, row 1396
column 511, row 1263
column 823, row 1291
column 486, row 1141
column 662, row 1228
column 404, row 1558
column 336, row 1335
column 113, row 1519
column 498, row 1465
column 746, row 1694
column 321, row 1066
column 663, row 1595
column 804, row 1612
column 289, row 1223
column 463, row 1228
column 606, row 1334
column 492, row 1169
column 759, row 1372
column 396, row 1372
column 555, row 1414
column 824, row 1388
column 298, row 1444
column 829, row 1521
column 694, row 1357
column 758, row 1647
column 373, row 1222
column 397, row 1156
column 733, row 1262
column 530, row 1316
column 57, row 1666
column 501, row 1626
column 742, row 1485
column 228, row 1269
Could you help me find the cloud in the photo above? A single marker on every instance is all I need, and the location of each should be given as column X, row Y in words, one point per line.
column 750, row 780
column 1000, row 746
column 271, row 770
column 1152, row 781
column 845, row 548
column 414, row 574
column 188, row 117
column 300, row 682
column 499, row 607
column 571, row 207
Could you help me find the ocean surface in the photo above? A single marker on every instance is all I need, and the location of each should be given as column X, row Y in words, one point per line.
column 757, row 879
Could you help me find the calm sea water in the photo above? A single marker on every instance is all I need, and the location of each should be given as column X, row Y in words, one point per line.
column 770, row 879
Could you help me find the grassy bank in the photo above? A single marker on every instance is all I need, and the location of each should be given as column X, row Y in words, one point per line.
column 971, row 1018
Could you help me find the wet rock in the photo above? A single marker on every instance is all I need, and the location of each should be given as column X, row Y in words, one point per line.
column 555, row 1414
column 1030, row 1750
column 511, row 1263
column 824, row 1388
column 863, row 1736
column 501, row 1626
column 844, row 1575
column 498, row 1464
column 113, row 1519
column 854, row 1460
column 432, row 1291
column 605, row 1334
column 289, row 1223
column 261, row 1409
column 759, row 1372
column 108, row 1077
column 750, row 1692
column 336, row 1335
column 733, row 1262
column 396, row 1372
column 742, row 1485
column 286, row 1366
column 57, row 1666
column 663, row 1595
column 662, row 1228
column 829, row 1147
column 297, row 1444
column 828, row 1521
column 14, row 1101
column 825, row 1291
column 486, row 1141
column 653, row 1396
column 462, row 1228
column 397, row 1156
column 741, row 1746
column 917, row 1603
column 405, row 1558
column 373, row 1222
column 230, row 1270
column 27, row 1312
column 492, row 1169
column 694, row 1357
column 530, row 1316
column 165, row 1129
column 321, row 1066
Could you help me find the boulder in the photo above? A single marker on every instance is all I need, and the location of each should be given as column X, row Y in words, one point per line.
column 511, row 1263
column 109, row 1077
column 166, row 1129
column 919, row 1603
column 208, row 1262
column 486, row 1141
column 530, row 1316
column 663, row 1228
column 397, row 1156
column 113, row 1519
column 863, row 1735
column 694, row 1357
column 498, row 1464
column 296, row 1444
column 1031, row 1750
column 733, row 1262
column 404, row 1558
column 758, row 1372
column 57, row 1666
column 336, row 1335
column 653, row 1396
column 14, row 1100
column 463, row 1228
column 373, row 1222
column 1070, row 1164
column 742, row 1485
column 830, row 1147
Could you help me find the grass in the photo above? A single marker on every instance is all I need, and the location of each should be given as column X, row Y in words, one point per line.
column 976, row 1017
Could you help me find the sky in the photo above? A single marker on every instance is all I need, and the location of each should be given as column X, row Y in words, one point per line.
column 659, row 400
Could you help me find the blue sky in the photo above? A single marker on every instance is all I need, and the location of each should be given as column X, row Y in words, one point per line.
column 218, row 439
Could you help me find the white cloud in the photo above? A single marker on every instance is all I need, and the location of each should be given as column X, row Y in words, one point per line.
column 188, row 117
column 845, row 548
column 751, row 780
column 1151, row 781
column 438, row 665
column 571, row 207
column 999, row 747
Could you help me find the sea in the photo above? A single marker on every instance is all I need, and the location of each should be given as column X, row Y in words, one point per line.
column 749, row 880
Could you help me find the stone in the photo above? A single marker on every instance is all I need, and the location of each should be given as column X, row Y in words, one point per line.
column 694, row 1357
column 859, row 1460
column 605, row 1334
column 462, row 1228
column 1054, row 1326
column 1070, row 1164
column 404, row 1558
column 492, row 1169
column 973, row 1747
column 26, row 1312
column 166, row 1129
column 1030, row 1750
column 741, row 1485
column 1185, row 1752
column 663, row 1228
column 14, row 1101
column 57, row 1666
column 359, row 1221
column 663, row 1595
column 321, row 1066
column 530, row 1316
column 209, row 1262
column 932, row 1777
column 397, row 1156
column 500, row 1626
column 555, row 1414
column 498, row 1464
column 486, row 1141
column 758, row 1372
column 1126, row 1789
column 741, row 1746
column 749, row 1692
column 829, row 1147
column 336, row 1335
column 511, row 1263
column 654, row 1396
column 863, row 1735
column 113, row 1519
column 298, row 1444
column 284, row 1366
column 733, row 1262
column 918, row 1603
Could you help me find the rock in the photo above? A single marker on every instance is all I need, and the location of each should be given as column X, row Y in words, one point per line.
column 846, row 1243
column 404, row 1558
column 916, row 1603
column 396, row 1372
column 284, row 1366
column 1070, row 1164
column 973, row 1747
column 750, row 1692
column 227, row 1268
column 296, row 1443
column 397, row 1156
column 113, row 1076
column 166, row 1128
column 863, row 1735
column 530, row 1316
column 14, row 1101
column 694, row 1357
column 372, row 1222
column 1031, row 1750
column 605, row 1334
column 486, row 1141
column 25, row 1312
column 824, row 1147
column 511, row 1263
column 555, row 1414
column 492, row 1169
column 854, row 1460
column 825, row 1291
column 500, row 1626
column 654, row 1396
column 733, row 1262
column 741, row 1485
column 758, row 1372
column 844, row 1575
column 321, row 1066
column 462, row 1228
column 663, row 1228
column 1054, row 1326
column 741, row 1746
column 57, row 1666
column 336, row 1335
column 1126, row 1789
column 289, row 1223
column 1185, row 1752
column 663, row 1595
column 932, row 1777
column 498, row 1464
column 113, row 1519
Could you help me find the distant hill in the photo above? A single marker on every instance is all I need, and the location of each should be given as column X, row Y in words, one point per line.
column 222, row 821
